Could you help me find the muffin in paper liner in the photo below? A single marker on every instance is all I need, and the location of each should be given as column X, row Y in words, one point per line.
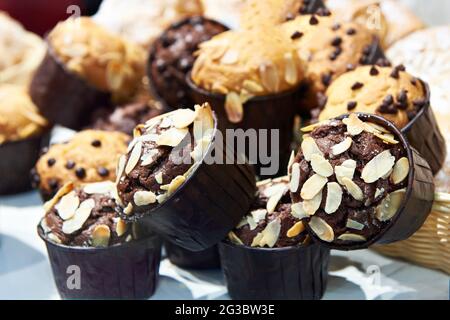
column 205, row 259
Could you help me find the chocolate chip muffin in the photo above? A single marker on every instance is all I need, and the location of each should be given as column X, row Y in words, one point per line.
column 172, row 57
column 348, row 180
column 270, row 223
column 85, row 216
column 387, row 91
column 90, row 156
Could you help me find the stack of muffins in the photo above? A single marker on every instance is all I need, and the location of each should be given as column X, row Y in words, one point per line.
column 140, row 169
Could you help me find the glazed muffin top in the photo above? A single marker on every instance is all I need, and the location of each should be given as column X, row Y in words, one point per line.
column 270, row 222
column 387, row 91
column 106, row 61
column 19, row 117
column 90, row 156
column 85, row 216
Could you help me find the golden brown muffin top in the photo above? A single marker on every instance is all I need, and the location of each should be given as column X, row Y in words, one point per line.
column 106, row 61
column 19, row 117
column 390, row 92
column 90, row 156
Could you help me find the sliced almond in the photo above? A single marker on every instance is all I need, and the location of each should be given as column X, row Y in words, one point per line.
column 200, row 149
column 313, row 186
column 295, row 230
column 378, row 167
column 345, row 170
column 121, row 227
column 174, row 184
column 134, row 158
column 311, row 206
column 183, row 118
column 231, row 56
column 352, row 224
column 291, row 161
column 204, row 123
column 270, row 234
column 120, row 167
column 310, row 147
column 273, row 201
column 161, row 198
column 79, row 218
column 234, row 238
column 390, row 205
column 313, row 126
column 321, row 229
column 295, row 178
column 167, row 122
column 351, row 237
column 67, row 206
column 172, row 137
column 159, row 177
column 104, row 187
column 234, row 107
column 387, row 138
column 149, row 157
column 321, row 165
column 273, row 189
column 101, row 236
column 376, row 127
column 401, row 171
column 290, row 71
column 342, row 147
column 128, row 209
column 65, row 189
column 353, row 189
column 255, row 217
column 144, row 198
column 378, row 192
column 269, row 77
column 54, row 238
column 298, row 211
column 252, row 86
column 334, row 197
column 354, row 125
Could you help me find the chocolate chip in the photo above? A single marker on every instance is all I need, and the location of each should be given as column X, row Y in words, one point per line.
column 336, row 42
column 51, row 162
column 326, row 79
column 103, row 172
column 323, row 12
column 389, row 99
column 351, row 31
column 414, row 81
column 411, row 114
column 296, row 35
column 53, row 184
column 374, row 71
column 383, row 62
column 313, row 21
column 80, row 173
column 357, row 85
column 396, row 71
column 336, row 53
column 70, row 165
column 351, row 105
column 336, row 27
column 96, row 143
column 402, row 96
column 388, row 106
column 419, row 103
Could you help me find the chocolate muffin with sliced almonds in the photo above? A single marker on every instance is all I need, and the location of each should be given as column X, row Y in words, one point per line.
column 270, row 222
column 387, row 91
column 89, row 156
column 348, row 179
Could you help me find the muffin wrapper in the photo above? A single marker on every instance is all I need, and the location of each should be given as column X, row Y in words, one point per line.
column 270, row 112
column 128, row 271
column 62, row 96
column 418, row 200
column 205, row 259
column 16, row 161
column 423, row 133
column 296, row 273
column 205, row 208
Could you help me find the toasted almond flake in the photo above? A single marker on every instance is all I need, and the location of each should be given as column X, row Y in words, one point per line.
column 114, row 75
column 101, row 236
column 65, row 189
column 149, row 157
column 133, row 160
column 175, row 184
column 270, row 234
column 352, row 224
column 183, row 118
column 204, row 123
column 354, row 125
column 387, row 138
column 295, row 230
column 255, row 217
column 200, row 149
column 290, row 72
column 104, row 187
column 234, row 107
column 311, row 206
column 159, row 177
column 314, row 126
column 273, row 201
column 252, row 86
column 257, row 239
column 79, row 218
column 67, row 206
column 295, row 178
column 129, row 238
column 321, row 229
column 161, row 198
column 376, row 127
column 120, row 167
column 45, row 226
column 234, row 238
column 269, row 76
column 321, row 165
column 313, row 186
column 172, row 137
column 342, row 147
column 143, row 198
column 298, row 211
column 390, row 205
column 345, row 170
column 310, row 147
column 401, row 171
column 231, row 56
column 334, row 197
column 273, row 189
column 291, row 161
column 378, row 167
column 128, row 209
column 353, row 189
column 166, row 122
column 121, row 227
column 54, row 238
column 351, row 237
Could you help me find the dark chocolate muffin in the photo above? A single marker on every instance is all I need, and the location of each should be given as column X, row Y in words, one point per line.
column 172, row 57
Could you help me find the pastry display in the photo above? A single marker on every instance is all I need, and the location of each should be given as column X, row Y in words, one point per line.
column 81, row 228
column 172, row 57
column 89, row 156
column 22, row 134
column 397, row 96
column 159, row 179
column 85, row 67
column 356, row 181
column 268, row 255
